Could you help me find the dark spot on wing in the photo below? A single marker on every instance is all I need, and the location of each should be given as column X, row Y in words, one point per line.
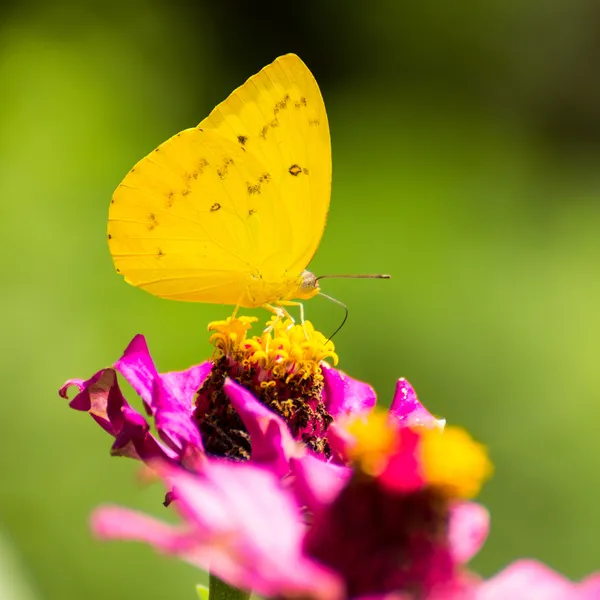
column 274, row 123
column 109, row 236
column 159, row 253
column 169, row 201
column 251, row 212
column 282, row 104
column 156, row 149
column 222, row 171
column 314, row 122
column 153, row 222
column 301, row 102
column 242, row 139
column 118, row 270
column 215, row 207
column 264, row 178
column 305, row 171
column 202, row 165
column 295, row 170
column 263, row 132
column 186, row 192
column 253, row 188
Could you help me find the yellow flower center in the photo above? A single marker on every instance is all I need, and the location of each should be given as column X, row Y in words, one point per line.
column 283, row 349
column 450, row 459
column 454, row 461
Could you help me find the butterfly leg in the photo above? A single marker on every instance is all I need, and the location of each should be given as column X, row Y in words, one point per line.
column 280, row 313
column 283, row 303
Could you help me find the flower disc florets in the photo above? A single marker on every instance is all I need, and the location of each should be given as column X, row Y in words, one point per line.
column 282, row 368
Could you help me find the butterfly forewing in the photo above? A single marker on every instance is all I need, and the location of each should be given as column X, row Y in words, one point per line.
column 243, row 196
column 279, row 116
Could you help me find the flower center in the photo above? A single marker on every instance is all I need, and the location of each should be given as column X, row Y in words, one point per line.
column 281, row 368
column 381, row 541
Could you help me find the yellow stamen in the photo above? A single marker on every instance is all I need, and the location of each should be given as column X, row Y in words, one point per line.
column 454, row 461
column 283, row 349
column 375, row 439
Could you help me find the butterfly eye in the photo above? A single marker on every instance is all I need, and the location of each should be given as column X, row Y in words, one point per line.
column 309, row 281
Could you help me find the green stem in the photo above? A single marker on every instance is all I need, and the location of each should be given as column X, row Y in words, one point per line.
column 219, row 590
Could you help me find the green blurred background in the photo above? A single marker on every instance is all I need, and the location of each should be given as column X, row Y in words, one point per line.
column 466, row 145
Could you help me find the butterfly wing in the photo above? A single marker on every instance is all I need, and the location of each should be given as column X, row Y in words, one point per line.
column 279, row 116
column 242, row 197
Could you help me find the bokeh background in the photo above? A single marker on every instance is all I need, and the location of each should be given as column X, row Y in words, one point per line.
column 466, row 145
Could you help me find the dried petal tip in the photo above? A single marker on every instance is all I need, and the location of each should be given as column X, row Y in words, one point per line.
column 452, row 460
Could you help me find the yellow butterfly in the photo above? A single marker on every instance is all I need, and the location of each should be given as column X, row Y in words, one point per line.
column 232, row 211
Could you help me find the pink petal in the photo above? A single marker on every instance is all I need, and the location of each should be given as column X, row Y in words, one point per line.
column 101, row 397
column 469, row 526
column 528, row 580
column 114, row 522
column 317, row 483
column 409, row 411
column 403, row 471
column 272, row 442
column 240, row 521
column 344, row 395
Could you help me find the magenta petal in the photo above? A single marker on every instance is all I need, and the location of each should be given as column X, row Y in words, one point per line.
column 590, row 587
column 403, row 471
column 469, row 526
column 272, row 442
column 345, row 396
column 529, row 580
column 317, row 483
column 101, row 397
column 409, row 411
column 114, row 522
column 340, row 441
column 252, row 528
column 174, row 421
column 137, row 367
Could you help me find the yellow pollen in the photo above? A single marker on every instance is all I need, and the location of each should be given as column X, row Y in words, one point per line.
column 375, row 439
column 284, row 348
column 454, row 461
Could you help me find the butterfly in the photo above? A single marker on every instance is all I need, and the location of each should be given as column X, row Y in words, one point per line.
column 233, row 210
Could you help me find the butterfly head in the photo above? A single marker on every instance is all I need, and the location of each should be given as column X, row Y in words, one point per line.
column 308, row 286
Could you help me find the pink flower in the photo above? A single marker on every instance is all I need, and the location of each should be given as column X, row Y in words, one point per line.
column 373, row 531
column 237, row 519
column 285, row 393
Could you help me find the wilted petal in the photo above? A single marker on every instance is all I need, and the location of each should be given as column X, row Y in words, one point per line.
column 101, row 397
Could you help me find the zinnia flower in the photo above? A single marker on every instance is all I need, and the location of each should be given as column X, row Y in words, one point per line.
column 395, row 522
column 251, row 400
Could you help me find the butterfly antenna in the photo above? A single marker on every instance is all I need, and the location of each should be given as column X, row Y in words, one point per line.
column 359, row 276
column 340, row 304
column 362, row 276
